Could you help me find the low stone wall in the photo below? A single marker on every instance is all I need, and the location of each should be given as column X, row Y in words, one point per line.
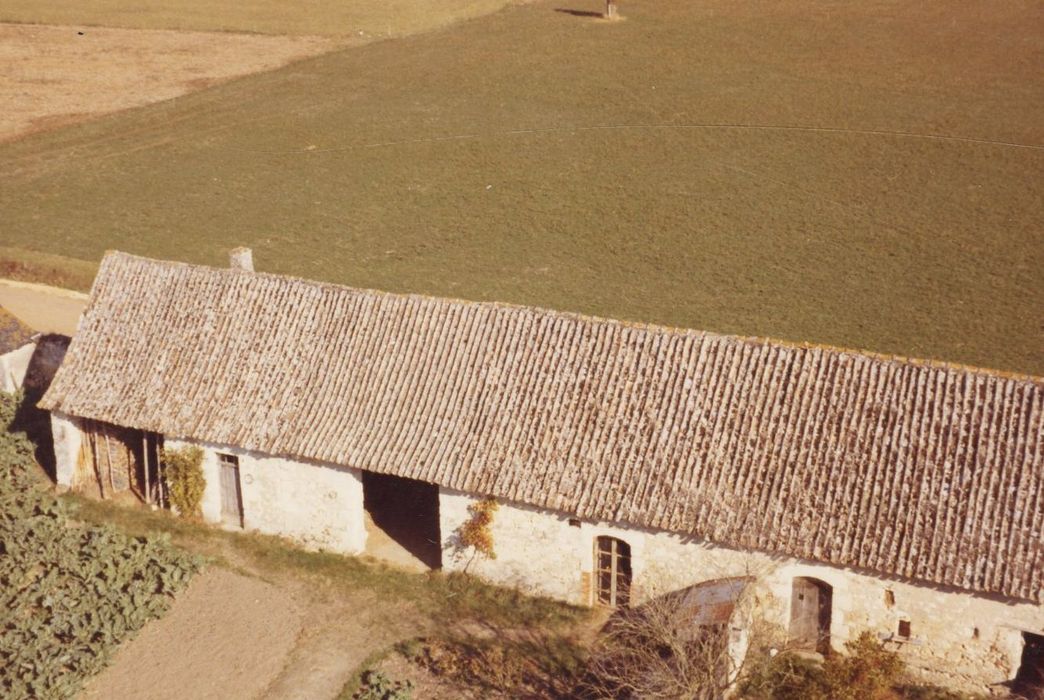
column 319, row 506
column 957, row 639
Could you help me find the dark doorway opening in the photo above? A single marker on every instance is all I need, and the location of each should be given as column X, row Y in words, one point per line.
column 115, row 461
column 36, row 422
column 811, row 606
column 1029, row 681
column 406, row 511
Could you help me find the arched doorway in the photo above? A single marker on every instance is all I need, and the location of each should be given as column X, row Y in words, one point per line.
column 811, row 603
column 612, row 572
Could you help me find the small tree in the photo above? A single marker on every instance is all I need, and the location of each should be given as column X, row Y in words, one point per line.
column 183, row 472
column 654, row 651
column 474, row 534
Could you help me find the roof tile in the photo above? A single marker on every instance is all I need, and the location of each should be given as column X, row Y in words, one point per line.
column 916, row 469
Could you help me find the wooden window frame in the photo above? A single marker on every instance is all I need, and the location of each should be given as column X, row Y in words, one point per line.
column 904, row 629
column 618, row 554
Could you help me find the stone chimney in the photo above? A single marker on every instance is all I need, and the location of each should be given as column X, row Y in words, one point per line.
column 241, row 259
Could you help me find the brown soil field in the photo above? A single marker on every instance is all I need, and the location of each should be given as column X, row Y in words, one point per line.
column 57, row 75
column 369, row 18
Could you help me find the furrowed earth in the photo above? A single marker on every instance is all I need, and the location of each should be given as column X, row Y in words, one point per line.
column 866, row 175
column 860, row 175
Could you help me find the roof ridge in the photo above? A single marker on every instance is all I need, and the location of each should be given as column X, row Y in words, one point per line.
column 886, row 357
column 747, row 443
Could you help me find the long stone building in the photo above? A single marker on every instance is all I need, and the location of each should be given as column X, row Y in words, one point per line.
column 861, row 492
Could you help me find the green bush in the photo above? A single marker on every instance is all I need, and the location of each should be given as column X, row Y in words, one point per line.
column 377, row 686
column 867, row 672
column 183, row 470
column 69, row 593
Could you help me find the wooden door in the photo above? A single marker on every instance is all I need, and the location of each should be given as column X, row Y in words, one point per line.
column 810, row 611
column 231, row 493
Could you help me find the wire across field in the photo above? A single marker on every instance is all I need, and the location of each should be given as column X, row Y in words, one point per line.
column 866, row 175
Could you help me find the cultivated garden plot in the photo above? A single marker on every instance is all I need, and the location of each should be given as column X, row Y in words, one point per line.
column 69, row 593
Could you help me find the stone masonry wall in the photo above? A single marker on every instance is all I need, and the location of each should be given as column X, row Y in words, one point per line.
column 957, row 639
column 319, row 506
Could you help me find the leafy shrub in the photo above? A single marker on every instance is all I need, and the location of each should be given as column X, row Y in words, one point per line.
column 867, row 672
column 69, row 594
column 475, row 533
column 784, row 677
column 183, row 468
column 377, row 686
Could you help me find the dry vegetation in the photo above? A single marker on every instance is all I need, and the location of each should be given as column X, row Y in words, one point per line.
column 58, row 75
column 45, row 268
column 473, row 162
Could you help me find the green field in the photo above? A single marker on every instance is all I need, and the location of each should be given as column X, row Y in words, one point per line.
column 734, row 166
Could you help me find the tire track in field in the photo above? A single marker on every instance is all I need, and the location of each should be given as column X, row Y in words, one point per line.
column 651, row 127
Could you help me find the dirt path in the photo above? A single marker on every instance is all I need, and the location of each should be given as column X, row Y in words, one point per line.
column 226, row 636
column 56, row 75
column 237, row 636
column 42, row 308
column 340, row 634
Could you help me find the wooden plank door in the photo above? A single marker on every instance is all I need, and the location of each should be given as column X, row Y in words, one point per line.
column 804, row 614
column 231, row 493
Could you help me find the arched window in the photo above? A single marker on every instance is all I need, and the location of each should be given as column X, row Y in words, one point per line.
column 612, row 571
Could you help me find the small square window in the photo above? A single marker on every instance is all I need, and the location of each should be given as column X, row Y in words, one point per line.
column 574, row 522
column 889, row 597
column 904, row 629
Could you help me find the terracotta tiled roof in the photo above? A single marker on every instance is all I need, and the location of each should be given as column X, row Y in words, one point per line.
column 925, row 471
column 13, row 333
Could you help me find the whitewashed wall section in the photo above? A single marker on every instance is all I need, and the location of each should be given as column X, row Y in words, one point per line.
column 67, row 437
column 319, row 506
